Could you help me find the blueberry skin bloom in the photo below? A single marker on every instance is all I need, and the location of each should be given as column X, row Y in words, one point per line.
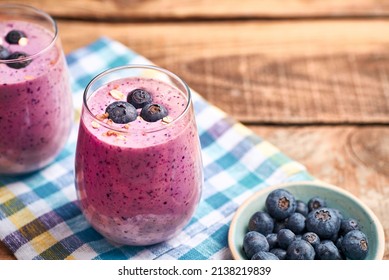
column 312, row 238
column 153, row 112
column 302, row 208
column 348, row 225
column 300, row 250
column 280, row 253
column 316, row 202
column 327, row 250
column 254, row 242
column 355, row 245
column 272, row 240
column 139, row 98
column 296, row 223
column 261, row 255
column 285, row 238
column 121, row 112
column 280, row 204
column 324, row 222
column 262, row 222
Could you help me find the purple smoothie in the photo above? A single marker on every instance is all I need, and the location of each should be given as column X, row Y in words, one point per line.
column 138, row 184
column 35, row 101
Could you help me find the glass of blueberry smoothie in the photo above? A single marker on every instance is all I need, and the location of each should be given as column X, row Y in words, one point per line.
column 138, row 159
column 35, row 98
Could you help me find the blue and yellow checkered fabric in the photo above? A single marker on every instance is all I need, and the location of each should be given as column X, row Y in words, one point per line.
column 39, row 216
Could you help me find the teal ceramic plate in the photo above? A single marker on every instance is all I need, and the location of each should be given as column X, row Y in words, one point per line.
column 348, row 204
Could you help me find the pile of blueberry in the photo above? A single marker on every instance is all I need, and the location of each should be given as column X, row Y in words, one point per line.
column 123, row 112
column 291, row 229
column 13, row 37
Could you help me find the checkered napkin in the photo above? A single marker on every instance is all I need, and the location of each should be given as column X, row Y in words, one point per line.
column 39, row 216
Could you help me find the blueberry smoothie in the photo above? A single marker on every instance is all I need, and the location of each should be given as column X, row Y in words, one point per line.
column 35, row 98
column 138, row 161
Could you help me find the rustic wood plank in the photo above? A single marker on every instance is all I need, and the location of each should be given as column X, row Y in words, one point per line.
column 267, row 72
column 352, row 157
column 209, row 9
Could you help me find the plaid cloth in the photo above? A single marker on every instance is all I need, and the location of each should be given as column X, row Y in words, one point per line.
column 39, row 216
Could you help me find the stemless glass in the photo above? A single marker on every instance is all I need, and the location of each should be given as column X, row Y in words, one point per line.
column 35, row 98
column 138, row 183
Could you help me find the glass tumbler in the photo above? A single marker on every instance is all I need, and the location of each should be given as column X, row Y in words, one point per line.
column 35, row 98
column 138, row 162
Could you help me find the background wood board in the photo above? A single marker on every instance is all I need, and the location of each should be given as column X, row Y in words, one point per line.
column 267, row 72
column 209, row 9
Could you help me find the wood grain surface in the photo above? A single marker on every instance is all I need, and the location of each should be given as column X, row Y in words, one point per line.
column 130, row 10
column 311, row 77
column 288, row 72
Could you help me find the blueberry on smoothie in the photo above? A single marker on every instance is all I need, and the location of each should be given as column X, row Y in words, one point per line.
column 324, row 222
column 300, row 250
column 261, row 255
column 316, row 203
column 280, row 204
column 153, row 112
column 355, row 245
column 254, row 242
column 19, row 64
column 4, row 52
column 262, row 222
column 14, row 36
column 121, row 112
column 327, row 250
column 139, row 98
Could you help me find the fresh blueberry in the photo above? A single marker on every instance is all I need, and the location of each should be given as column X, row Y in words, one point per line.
column 324, row 222
column 280, row 253
column 316, row 202
column 153, row 112
column 302, row 207
column 348, row 225
column 4, row 52
column 280, row 204
column 254, row 242
column 355, row 245
column 296, row 223
column 261, row 255
column 285, row 237
column 272, row 240
column 337, row 212
column 19, row 64
column 278, row 225
column 300, row 250
column 14, row 36
column 139, row 98
column 121, row 112
column 312, row 238
column 327, row 250
column 262, row 222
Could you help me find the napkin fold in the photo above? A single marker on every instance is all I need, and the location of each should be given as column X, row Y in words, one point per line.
column 40, row 217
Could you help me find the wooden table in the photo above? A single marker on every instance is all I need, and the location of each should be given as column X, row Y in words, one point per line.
column 312, row 77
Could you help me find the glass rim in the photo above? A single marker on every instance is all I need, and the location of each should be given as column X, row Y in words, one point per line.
column 37, row 12
column 138, row 66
